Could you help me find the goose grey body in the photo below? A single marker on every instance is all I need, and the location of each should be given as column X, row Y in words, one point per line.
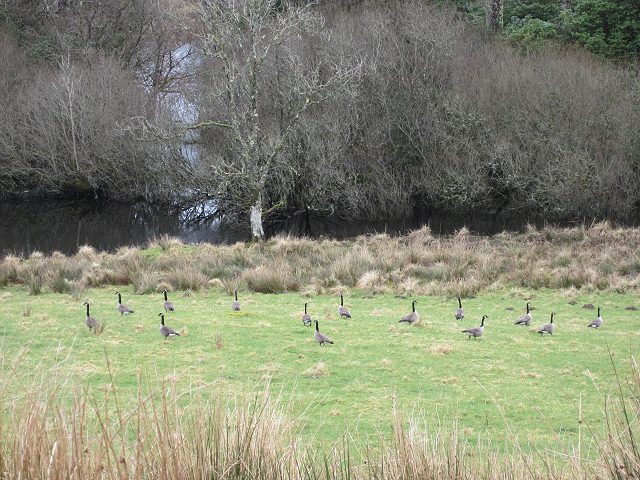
column 413, row 317
column 90, row 322
column 460, row 311
column 168, row 306
column 342, row 310
column 548, row 328
column 476, row 332
column 320, row 337
column 235, row 306
column 165, row 331
column 597, row 323
column 526, row 318
column 123, row 309
column 306, row 318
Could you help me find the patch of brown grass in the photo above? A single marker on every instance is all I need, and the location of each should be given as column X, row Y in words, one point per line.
column 441, row 349
column 319, row 370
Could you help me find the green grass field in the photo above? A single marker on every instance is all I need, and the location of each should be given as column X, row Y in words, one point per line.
column 432, row 371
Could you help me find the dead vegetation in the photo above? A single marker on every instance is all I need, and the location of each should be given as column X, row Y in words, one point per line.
column 596, row 257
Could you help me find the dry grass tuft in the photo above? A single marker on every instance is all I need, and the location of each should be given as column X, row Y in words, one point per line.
column 270, row 280
column 319, row 370
column 218, row 342
column 165, row 242
column 373, row 281
column 441, row 349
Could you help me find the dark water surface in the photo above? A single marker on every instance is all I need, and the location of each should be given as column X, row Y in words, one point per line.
column 65, row 226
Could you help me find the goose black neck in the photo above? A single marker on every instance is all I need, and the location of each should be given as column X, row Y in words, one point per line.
column 236, row 295
column 482, row 322
column 162, row 318
column 413, row 306
column 341, row 301
column 305, row 308
column 317, row 329
column 165, row 296
column 527, row 308
column 119, row 298
column 87, row 309
column 552, row 315
column 599, row 309
column 459, row 302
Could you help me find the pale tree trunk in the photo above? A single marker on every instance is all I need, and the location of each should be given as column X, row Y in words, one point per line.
column 257, row 232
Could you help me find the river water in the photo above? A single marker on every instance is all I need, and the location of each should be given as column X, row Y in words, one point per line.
column 65, row 226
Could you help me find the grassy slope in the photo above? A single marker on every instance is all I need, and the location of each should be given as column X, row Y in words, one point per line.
column 375, row 362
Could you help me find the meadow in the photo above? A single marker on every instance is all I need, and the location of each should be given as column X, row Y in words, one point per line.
column 511, row 393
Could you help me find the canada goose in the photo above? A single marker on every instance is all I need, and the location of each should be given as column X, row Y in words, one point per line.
column 90, row 322
column 235, row 306
column 168, row 306
column 306, row 318
column 597, row 323
column 320, row 337
column 548, row 328
column 342, row 310
column 526, row 318
column 165, row 331
column 476, row 332
column 413, row 317
column 460, row 311
column 123, row 309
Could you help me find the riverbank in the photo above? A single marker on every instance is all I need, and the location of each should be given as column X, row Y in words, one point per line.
column 594, row 258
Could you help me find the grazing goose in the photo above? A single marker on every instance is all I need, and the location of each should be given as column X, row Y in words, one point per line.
column 123, row 309
column 597, row 323
column 168, row 306
column 306, row 318
column 413, row 317
column 526, row 318
column 476, row 332
column 90, row 322
column 460, row 311
column 342, row 310
column 548, row 328
column 235, row 306
column 165, row 331
column 320, row 337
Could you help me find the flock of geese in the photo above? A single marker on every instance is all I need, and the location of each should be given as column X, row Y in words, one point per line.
column 412, row 318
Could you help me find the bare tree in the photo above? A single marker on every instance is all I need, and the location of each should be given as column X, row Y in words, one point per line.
column 259, row 82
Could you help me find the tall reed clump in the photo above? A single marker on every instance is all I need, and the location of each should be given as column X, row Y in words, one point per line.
column 33, row 273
